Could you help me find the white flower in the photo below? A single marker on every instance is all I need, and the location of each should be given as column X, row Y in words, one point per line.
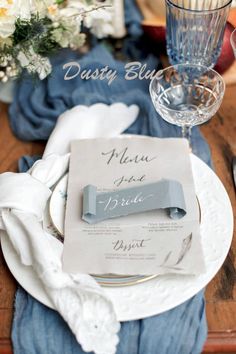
column 77, row 41
column 23, row 8
column 68, row 38
column 5, row 42
column 100, row 22
column 24, row 61
column 7, row 18
column 52, row 10
column 96, row 16
column 55, row 12
column 35, row 63
column 68, row 27
column 7, row 26
column 10, row 10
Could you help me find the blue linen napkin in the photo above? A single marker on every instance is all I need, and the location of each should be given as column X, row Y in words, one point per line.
column 37, row 329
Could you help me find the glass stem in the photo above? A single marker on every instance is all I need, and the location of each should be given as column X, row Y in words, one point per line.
column 186, row 133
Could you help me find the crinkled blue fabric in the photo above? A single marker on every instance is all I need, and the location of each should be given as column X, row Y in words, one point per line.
column 37, row 329
column 40, row 330
column 36, row 107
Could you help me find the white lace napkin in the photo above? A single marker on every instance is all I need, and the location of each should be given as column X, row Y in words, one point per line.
column 23, row 197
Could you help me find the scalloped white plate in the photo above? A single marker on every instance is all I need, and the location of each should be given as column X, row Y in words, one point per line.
column 166, row 291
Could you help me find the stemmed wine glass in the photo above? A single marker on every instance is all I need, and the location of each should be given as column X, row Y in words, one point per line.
column 187, row 95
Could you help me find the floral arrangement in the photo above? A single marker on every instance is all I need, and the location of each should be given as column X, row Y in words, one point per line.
column 30, row 30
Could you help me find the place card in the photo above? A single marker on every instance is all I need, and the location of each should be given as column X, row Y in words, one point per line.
column 147, row 242
column 164, row 194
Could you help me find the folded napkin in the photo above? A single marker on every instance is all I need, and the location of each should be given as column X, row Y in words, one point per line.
column 98, row 120
column 23, row 197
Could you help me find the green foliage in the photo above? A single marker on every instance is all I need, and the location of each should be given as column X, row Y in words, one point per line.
column 36, row 32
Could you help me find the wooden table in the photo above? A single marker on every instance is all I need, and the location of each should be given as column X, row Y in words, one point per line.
column 220, row 132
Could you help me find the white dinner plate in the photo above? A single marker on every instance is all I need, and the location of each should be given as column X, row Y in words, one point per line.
column 166, row 291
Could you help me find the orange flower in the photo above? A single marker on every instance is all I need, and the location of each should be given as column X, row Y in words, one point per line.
column 3, row 12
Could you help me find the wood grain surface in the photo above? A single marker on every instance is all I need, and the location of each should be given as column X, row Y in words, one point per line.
column 11, row 149
column 220, row 133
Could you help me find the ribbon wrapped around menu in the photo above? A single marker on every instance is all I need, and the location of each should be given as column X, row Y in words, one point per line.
column 164, row 194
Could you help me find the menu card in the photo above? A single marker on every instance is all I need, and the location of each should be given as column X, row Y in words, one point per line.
column 142, row 243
